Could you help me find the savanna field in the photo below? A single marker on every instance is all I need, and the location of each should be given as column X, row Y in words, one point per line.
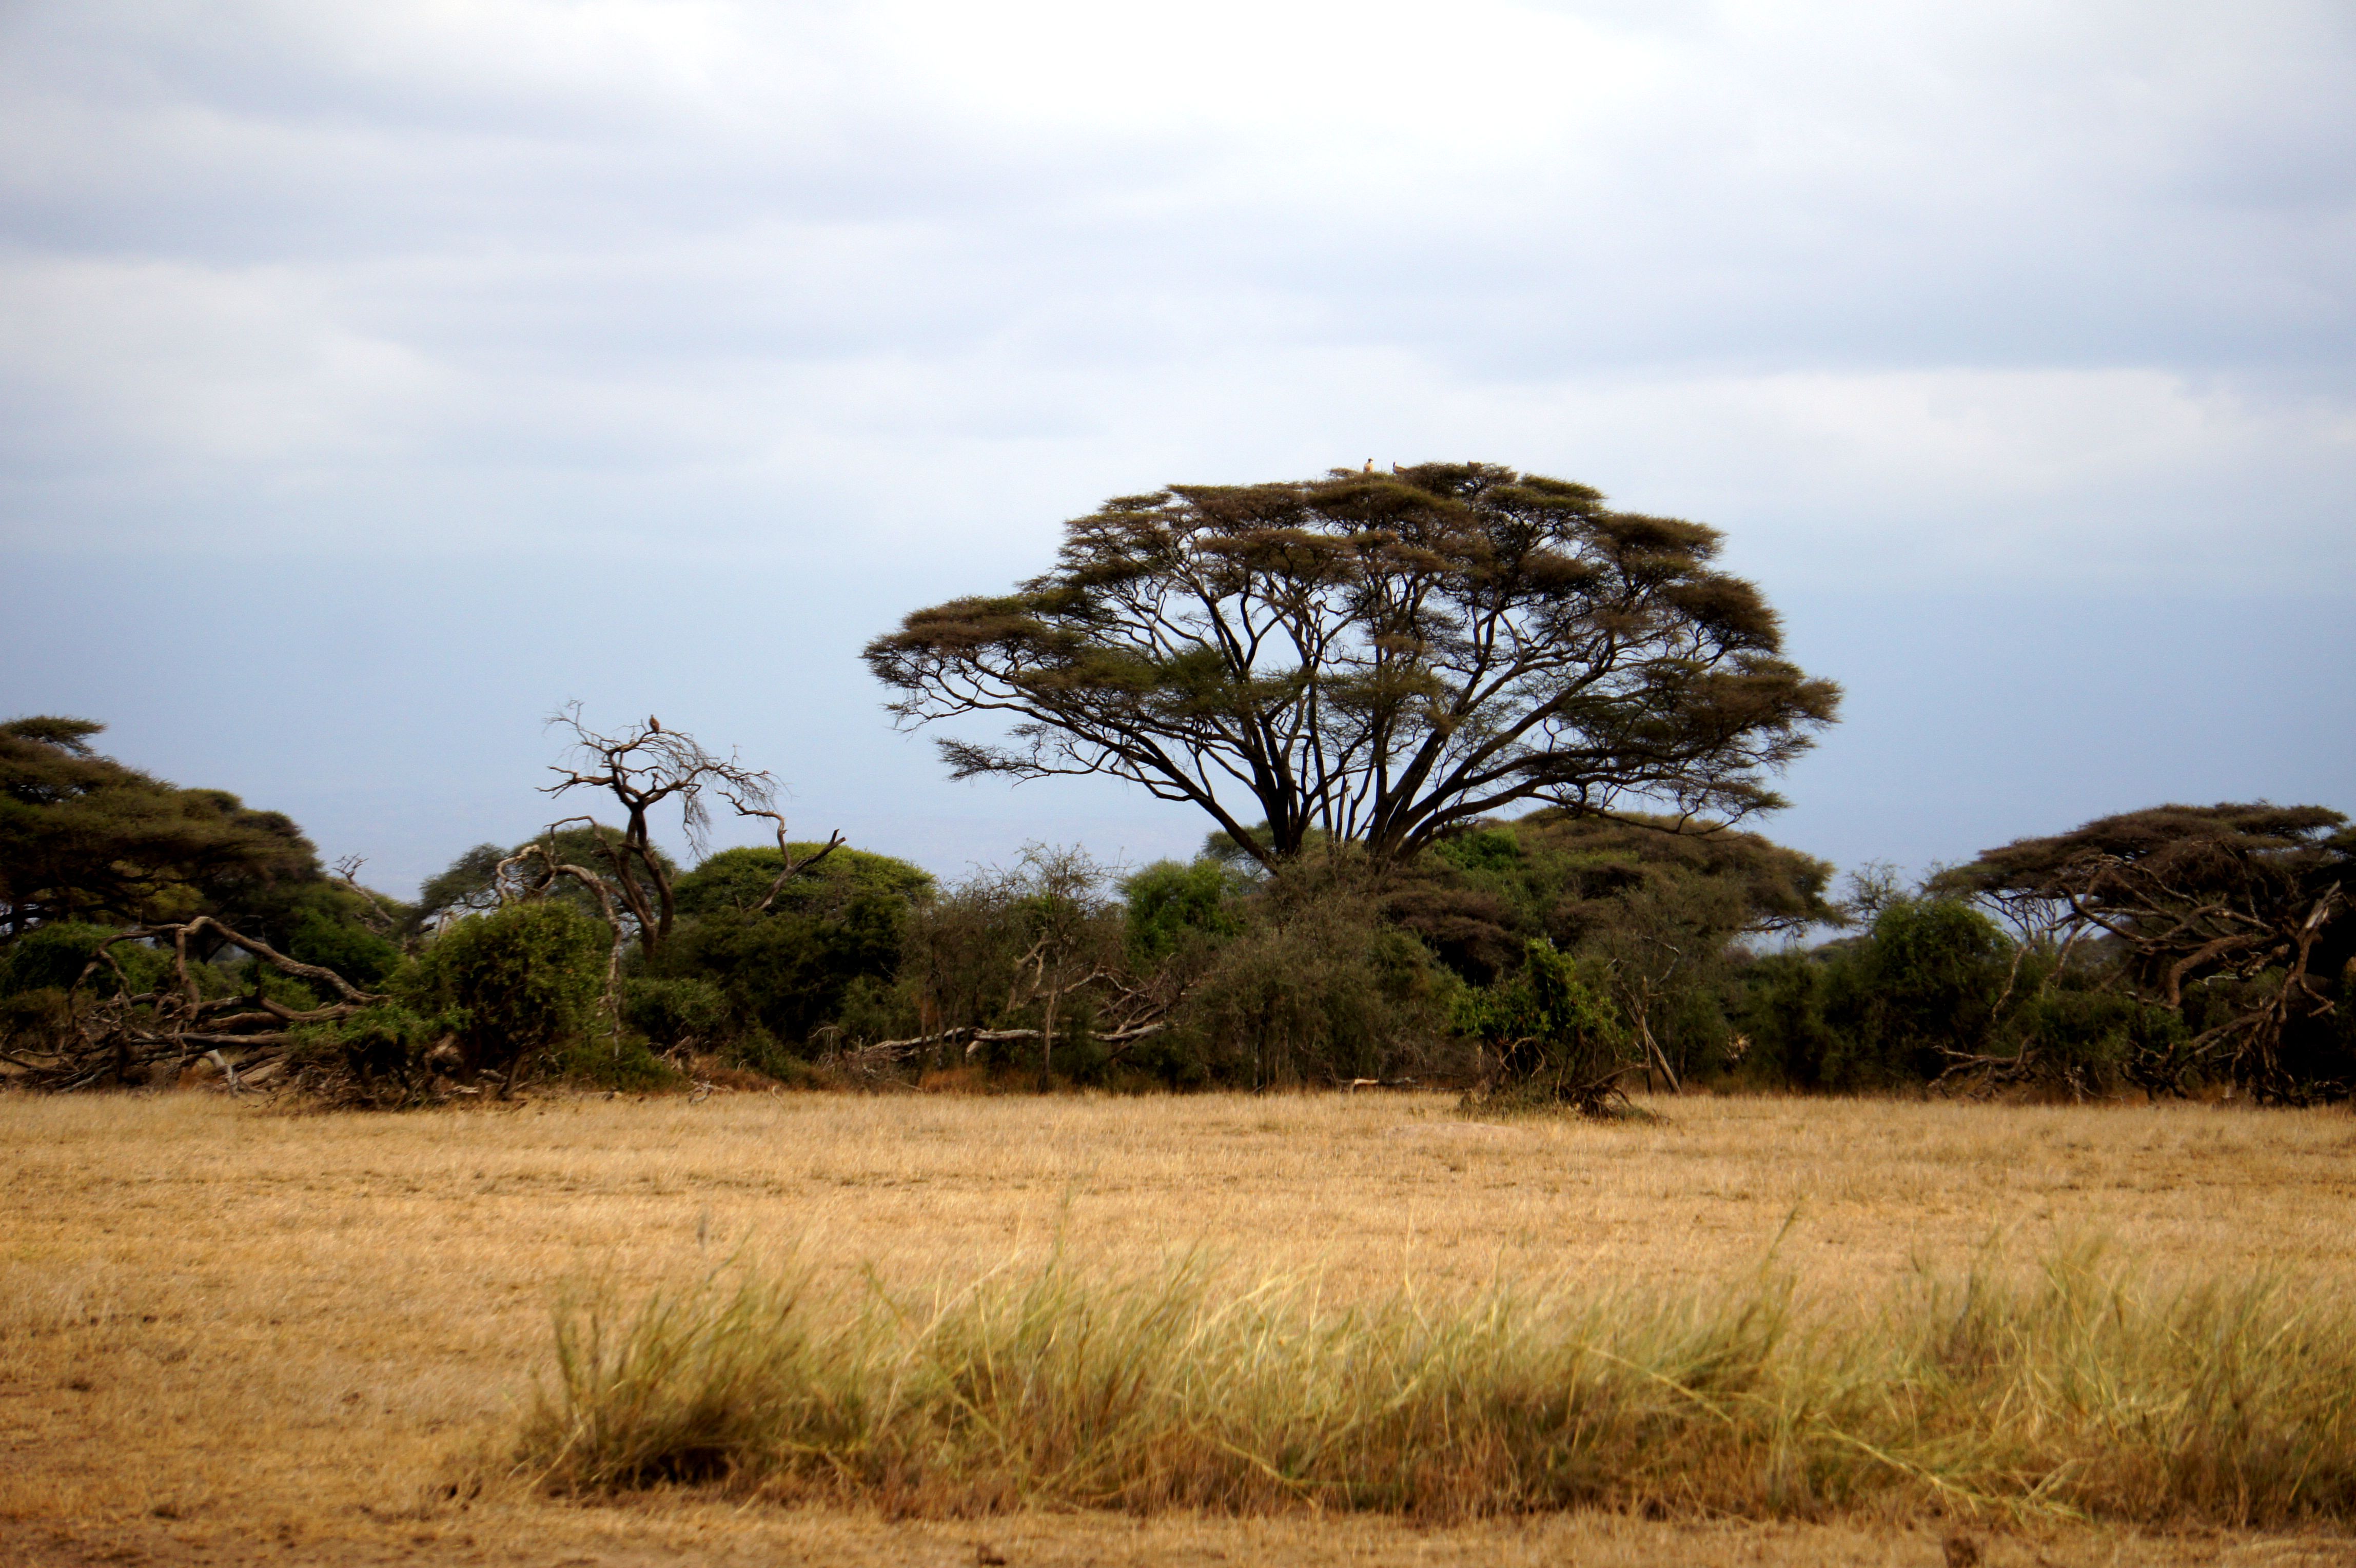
column 1321, row 1329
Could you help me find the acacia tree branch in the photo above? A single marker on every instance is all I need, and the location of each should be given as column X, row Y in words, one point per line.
column 790, row 867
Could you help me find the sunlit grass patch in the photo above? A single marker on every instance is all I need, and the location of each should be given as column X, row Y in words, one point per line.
column 2081, row 1387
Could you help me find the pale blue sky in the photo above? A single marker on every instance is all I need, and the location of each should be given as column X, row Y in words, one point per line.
column 378, row 378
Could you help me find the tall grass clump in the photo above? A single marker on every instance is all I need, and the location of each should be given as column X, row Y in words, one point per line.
column 2081, row 1387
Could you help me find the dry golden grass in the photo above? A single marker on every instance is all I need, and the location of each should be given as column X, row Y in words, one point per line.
column 226, row 1327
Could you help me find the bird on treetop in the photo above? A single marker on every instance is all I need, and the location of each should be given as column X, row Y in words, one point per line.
column 654, row 725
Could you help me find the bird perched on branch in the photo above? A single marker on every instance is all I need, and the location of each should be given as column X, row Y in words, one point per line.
column 654, row 725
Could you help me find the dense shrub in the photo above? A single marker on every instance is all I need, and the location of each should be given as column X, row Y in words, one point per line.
column 1172, row 905
column 788, row 972
column 2075, row 1033
column 1319, row 988
column 512, row 983
column 672, row 1013
column 1548, row 1036
column 380, row 1049
column 360, row 955
column 830, row 942
column 53, row 958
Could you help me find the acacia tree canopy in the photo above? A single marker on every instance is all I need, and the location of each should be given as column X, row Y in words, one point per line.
column 2240, row 908
column 84, row 837
column 1374, row 658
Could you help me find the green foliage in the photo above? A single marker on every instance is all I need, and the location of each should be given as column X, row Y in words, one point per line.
column 512, row 983
column 738, row 879
column 1790, row 1040
column 380, row 1046
column 1655, row 912
column 1891, row 1010
column 1550, row 1036
column 1172, row 906
column 789, row 973
column 52, row 957
column 83, row 837
column 601, row 1063
column 250, row 977
column 1318, row 988
column 360, row 955
column 2095, row 1040
column 1934, row 988
column 828, row 946
column 674, row 1013
column 1927, row 984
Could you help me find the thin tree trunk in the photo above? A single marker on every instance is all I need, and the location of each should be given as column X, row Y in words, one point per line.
column 1047, row 1044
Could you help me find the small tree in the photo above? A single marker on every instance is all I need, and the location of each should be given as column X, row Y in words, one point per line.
column 510, row 984
column 1316, row 985
column 1056, row 896
column 1549, row 1035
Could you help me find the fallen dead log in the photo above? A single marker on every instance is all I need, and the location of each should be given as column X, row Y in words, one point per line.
column 126, row 1036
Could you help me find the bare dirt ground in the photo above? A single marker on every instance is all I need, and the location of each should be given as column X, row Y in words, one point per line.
column 232, row 1334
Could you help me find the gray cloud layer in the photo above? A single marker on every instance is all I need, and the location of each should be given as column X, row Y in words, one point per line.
column 1909, row 298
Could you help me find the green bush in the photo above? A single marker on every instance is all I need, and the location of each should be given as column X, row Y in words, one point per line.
column 360, row 956
column 674, row 1013
column 1317, row 989
column 1550, row 1037
column 385, row 1044
column 52, row 957
column 1932, row 981
column 1170, row 905
column 738, row 879
column 2090, row 1040
column 512, row 983
column 1929, row 982
column 789, row 972
column 600, row 1062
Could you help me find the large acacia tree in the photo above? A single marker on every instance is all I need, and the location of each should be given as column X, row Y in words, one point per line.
column 1373, row 658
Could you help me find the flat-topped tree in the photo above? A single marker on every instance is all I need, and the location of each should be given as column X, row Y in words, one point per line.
column 83, row 837
column 2233, row 917
column 1374, row 658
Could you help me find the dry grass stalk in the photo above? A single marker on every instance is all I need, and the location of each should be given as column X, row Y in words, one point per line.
column 2083, row 1390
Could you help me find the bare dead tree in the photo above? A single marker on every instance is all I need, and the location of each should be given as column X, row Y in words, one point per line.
column 642, row 767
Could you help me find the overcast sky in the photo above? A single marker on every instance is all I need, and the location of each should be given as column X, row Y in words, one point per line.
column 378, row 377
